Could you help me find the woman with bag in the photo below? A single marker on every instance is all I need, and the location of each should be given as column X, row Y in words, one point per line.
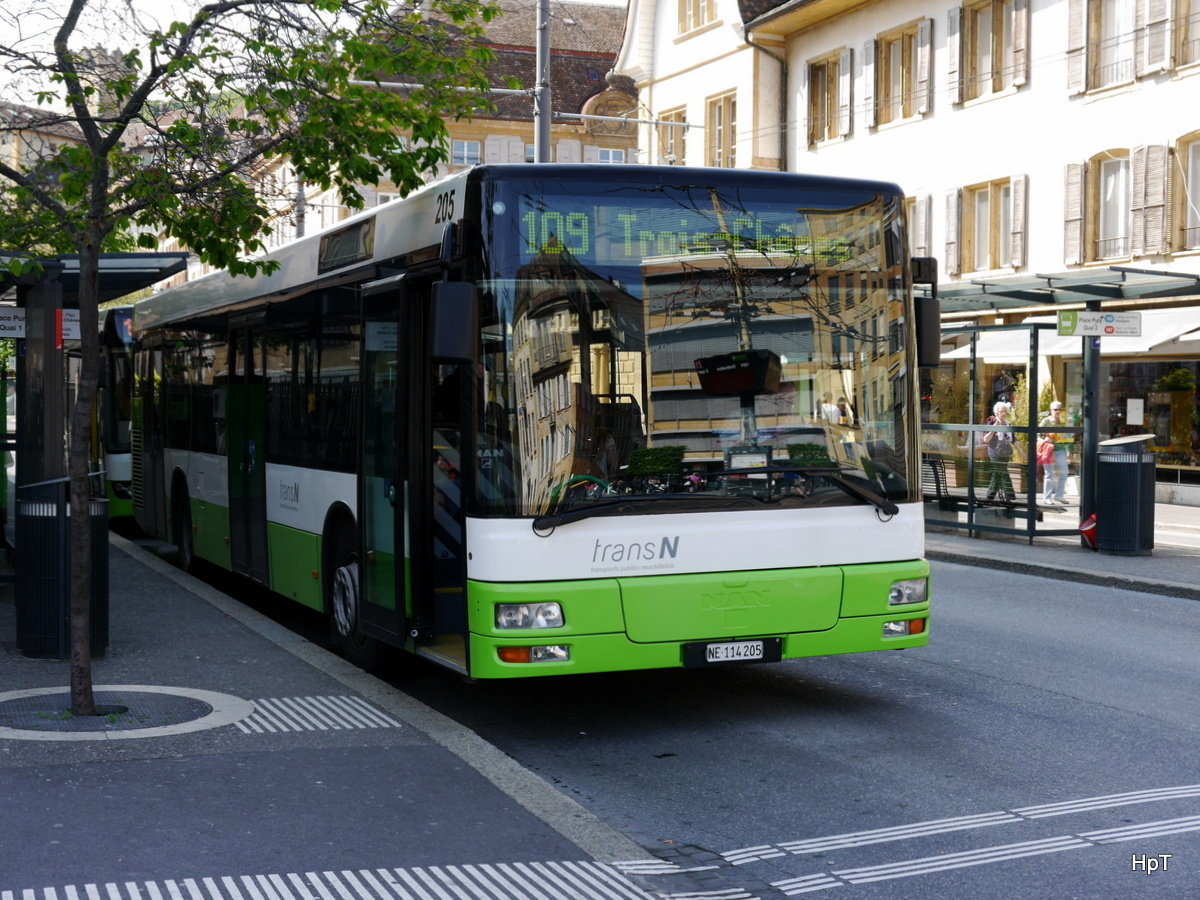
column 1053, row 450
column 1001, row 447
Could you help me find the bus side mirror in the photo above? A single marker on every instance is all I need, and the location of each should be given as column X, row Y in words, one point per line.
column 454, row 323
column 928, row 313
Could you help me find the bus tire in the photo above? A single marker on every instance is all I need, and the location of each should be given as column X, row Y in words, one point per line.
column 181, row 527
column 343, row 600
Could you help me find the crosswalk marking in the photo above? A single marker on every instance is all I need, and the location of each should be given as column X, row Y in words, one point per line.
column 282, row 714
column 517, row 881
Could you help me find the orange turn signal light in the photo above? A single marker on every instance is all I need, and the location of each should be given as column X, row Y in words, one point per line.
column 514, row 654
column 916, row 626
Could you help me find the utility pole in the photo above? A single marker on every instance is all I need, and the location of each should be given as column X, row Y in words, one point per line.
column 541, row 94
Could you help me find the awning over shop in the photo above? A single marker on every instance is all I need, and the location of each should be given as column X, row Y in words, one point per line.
column 1164, row 332
column 1112, row 283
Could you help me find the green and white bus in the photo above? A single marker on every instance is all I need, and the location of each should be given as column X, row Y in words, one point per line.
column 549, row 419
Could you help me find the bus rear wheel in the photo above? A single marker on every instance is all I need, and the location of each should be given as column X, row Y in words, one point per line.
column 345, row 603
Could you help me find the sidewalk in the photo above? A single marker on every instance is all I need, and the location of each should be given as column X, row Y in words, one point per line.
column 246, row 752
column 1173, row 568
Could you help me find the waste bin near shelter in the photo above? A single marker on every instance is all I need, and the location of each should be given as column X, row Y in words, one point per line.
column 1125, row 496
column 43, row 571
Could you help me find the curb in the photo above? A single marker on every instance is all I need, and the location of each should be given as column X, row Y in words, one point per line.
column 536, row 795
column 1066, row 573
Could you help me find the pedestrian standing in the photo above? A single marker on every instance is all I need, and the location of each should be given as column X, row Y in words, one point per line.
column 1055, row 470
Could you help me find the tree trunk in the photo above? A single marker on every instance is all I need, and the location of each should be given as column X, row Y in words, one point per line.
column 82, row 700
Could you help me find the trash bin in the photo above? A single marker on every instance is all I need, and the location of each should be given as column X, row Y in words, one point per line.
column 1125, row 496
column 43, row 571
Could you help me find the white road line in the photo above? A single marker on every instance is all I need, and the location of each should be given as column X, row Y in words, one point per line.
column 752, row 854
column 1107, row 802
column 807, row 884
column 337, row 886
column 1149, row 830
column 949, row 861
column 898, row 833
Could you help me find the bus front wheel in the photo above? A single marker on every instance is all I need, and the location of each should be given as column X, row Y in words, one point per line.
column 345, row 603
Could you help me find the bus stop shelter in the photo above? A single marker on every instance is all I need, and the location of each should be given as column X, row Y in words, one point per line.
column 35, row 432
column 952, row 470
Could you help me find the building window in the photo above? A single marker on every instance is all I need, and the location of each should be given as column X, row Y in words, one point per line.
column 987, row 237
column 829, row 97
column 382, row 198
column 694, row 14
column 1190, row 155
column 1188, row 28
column 465, row 153
column 896, row 70
column 1112, row 234
column 721, row 131
column 988, row 38
column 896, row 53
column 1112, row 42
column 1112, row 34
column 530, row 153
column 612, row 157
column 672, row 137
column 1100, row 203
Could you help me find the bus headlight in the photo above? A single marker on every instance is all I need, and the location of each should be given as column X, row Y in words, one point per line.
column 904, row 592
column 529, row 615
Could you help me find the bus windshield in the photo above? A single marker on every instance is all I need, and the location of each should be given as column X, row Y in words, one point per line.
column 651, row 340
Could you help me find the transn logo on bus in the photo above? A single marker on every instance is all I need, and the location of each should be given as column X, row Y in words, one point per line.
column 625, row 552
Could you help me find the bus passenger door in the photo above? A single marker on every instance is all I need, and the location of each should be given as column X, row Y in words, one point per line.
column 151, row 436
column 439, row 400
column 245, row 411
column 383, row 491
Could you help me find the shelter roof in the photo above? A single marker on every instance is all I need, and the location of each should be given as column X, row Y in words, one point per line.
column 1111, row 283
column 120, row 274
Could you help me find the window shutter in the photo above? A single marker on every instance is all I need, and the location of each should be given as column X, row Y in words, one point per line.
column 591, row 153
column 1137, row 199
column 845, row 80
column 569, row 152
column 1020, row 218
column 919, row 226
column 924, row 51
column 682, row 16
column 1020, row 42
column 1155, row 205
column 954, row 51
column 1076, row 49
column 868, row 83
column 491, row 150
column 1154, row 36
column 1073, row 215
column 516, row 150
column 953, row 201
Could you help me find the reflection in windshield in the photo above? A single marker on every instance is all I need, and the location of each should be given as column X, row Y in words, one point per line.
column 658, row 342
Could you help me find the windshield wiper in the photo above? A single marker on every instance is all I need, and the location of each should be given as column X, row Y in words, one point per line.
column 834, row 474
column 637, row 504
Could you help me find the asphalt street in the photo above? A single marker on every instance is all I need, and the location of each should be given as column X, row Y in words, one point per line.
column 1033, row 691
column 1042, row 745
